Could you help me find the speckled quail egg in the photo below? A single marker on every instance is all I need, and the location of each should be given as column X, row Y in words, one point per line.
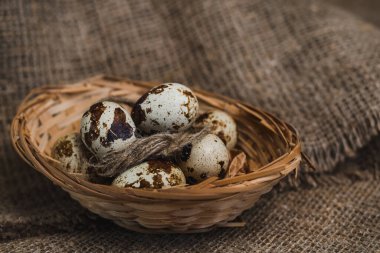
column 204, row 158
column 69, row 151
column 151, row 174
column 220, row 124
column 107, row 127
column 167, row 107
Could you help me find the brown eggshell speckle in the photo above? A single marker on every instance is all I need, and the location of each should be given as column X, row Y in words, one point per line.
column 154, row 174
column 68, row 150
column 168, row 107
column 107, row 127
column 221, row 124
column 205, row 158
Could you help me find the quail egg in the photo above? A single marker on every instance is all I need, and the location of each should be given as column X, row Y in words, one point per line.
column 107, row 127
column 69, row 151
column 151, row 174
column 204, row 158
column 168, row 107
column 220, row 124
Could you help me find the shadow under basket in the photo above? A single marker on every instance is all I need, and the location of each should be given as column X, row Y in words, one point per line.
column 272, row 146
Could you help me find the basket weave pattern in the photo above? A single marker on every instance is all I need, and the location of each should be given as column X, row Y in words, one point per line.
column 272, row 147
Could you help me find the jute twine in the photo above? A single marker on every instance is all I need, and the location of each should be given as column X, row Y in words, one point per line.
column 157, row 146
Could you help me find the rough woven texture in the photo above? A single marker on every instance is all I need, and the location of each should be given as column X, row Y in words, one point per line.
column 306, row 61
column 334, row 218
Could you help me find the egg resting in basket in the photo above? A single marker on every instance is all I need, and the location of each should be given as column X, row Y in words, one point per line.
column 272, row 147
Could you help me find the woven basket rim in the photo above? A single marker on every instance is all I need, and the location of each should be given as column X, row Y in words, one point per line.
column 212, row 188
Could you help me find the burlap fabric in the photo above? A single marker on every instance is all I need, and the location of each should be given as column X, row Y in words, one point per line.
column 306, row 61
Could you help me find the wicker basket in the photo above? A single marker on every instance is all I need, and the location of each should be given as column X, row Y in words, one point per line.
column 272, row 147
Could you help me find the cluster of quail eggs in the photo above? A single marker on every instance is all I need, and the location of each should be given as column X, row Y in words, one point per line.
column 170, row 107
